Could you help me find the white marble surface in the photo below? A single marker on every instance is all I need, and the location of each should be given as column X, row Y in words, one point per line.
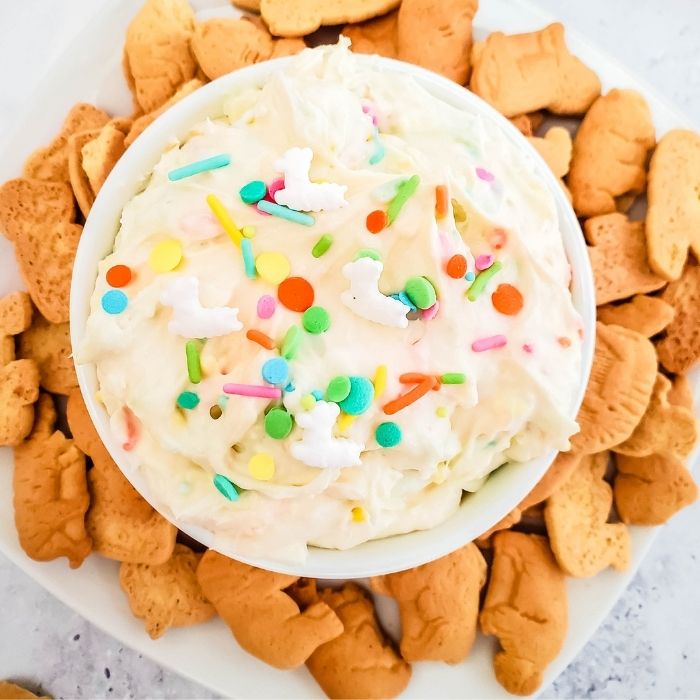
column 649, row 645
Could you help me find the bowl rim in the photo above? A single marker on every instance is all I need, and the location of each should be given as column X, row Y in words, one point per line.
column 380, row 556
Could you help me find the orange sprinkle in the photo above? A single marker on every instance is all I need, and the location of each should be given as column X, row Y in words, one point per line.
column 118, row 276
column 376, row 221
column 498, row 238
column 417, row 378
column 564, row 342
column 441, row 200
column 410, row 396
column 296, row 294
column 507, row 300
column 456, row 266
column 261, row 339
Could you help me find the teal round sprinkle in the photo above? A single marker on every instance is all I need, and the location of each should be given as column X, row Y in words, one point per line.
column 360, row 397
column 469, row 276
column 317, row 394
column 275, row 371
column 253, row 192
column 226, row 487
column 278, row 423
column 338, row 389
column 291, row 341
column 114, row 301
column 403, row 298
column 316, row 320
column 322, row 245
column 188, row 400
column 388, row 434
column 248, row 258
column 453, row 378
column 368, row 253
column 421, row 292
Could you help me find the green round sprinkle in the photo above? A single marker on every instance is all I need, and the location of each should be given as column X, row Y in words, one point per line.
column 253, row 192
column 194, row 368
column 453, row 378
column 368, row 253
column 360, row 397
column 291, row 341
column 188, row 400
column 322, row 245
column 421, row 292
column 316, row 320
column 278, row 423
column 226, row 487
column 338, row 389
column 388, row 434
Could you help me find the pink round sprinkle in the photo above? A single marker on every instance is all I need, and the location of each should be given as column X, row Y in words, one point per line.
column 275, row 186
column 528, row 348
column 485, row 175
column 483, row 262
column 431, row 312
column 490, row 343
column 266, row 306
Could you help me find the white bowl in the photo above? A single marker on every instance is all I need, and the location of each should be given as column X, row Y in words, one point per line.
column 504, row 489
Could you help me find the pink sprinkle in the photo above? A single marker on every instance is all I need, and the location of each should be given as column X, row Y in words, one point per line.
column 490, row 343
column 483, row 262
column 370, row 109
column 261, row 392
column 132, row 426
column 275, row 186
column 485, row 175
column 266, row 306
column 430, row 313
column 528, row 348
column 498, row 238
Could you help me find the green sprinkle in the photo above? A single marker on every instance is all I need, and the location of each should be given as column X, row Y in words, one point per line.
column 388, row 434
column 226, row 487
column 421, row 292
column 322, row 245
column 253, row 192
column 194, row 367
column 482, row 279
column 308, row 401
column 291, row 341
column 360, row 397
column 296, row 217
column 200, row 166
column 405, row 192
column 368, row 253
column 453, row 378
column 188, row 400
column 278, row 423
column 338, row 389
column 316, row 320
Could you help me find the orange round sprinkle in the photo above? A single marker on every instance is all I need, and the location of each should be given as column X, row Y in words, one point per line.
column 441, row 202
column 260, row 338
column 564, row 342
column 376, row 221
column 507, row 300
column 456, row 266
column 118, row 276
column 296, row 294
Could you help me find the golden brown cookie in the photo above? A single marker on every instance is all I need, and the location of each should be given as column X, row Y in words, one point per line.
column 619, row 389
column 79, row 180
column 527, row 124
column 287, row 47
column 123, row 526
column 50, row 492
column 522, row 73
column 439, row 605
column 611, row 149
column 376, row 35
column 445, row 31
column 619, row 258
column 158, row 56
column 555, row 149
column 583, row 541
column 525, row 607
column 649, row 490
column 681, row 393
column 361, row 662
column 51, row 162
column 101, row 154
column 264, row 619
column 644, row 314
column 11, row 691
column 673, row 216
column 251, row 5
column 166, row 595
column 16, row 313
column 19, row 390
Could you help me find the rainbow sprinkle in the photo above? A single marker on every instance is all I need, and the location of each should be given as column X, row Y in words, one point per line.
column 405, row 191
column 224, row 218
column 491, row 343
column 253, row 390
column 281, row 212
column 248, row 258
column 482, row 279
column 200, row 166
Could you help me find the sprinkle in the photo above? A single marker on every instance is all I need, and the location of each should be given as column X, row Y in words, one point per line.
column 507, row 300
column 564, row 342
column 248, row 231
column 379, row 150
column 338, row 389
column 291, row 341
column 410, row 396
column 253, row 390
column 483, row 262
column 376, row 221
column 388, row 434
column 188, row 400
column 253, row 192
column 431, row 312
column 260, row 338
column 273, row 188
column 358, row 514
column 482, row 279
column 368, row 253
column 491, row 343
column 498, row 238
column 166, row 255
column 266, row 306
column 421, row 292
column 317, row 394
column 345, row 421
column 322, row 245
column 194, row 367
column 441, row 412
column 459, row 211
column 403, row 298
column 453, row 378
column 417, row 378
column 223, row 402
column 485, row 175
column 528, row 348
column 290, row 388
column 379, row 381
column 282, row 212
column 469, row 276
column 441, row 199
column 276, row 371
column 226, row 487
column 132, row 426
column 114, row 301
column 316, row 320
column 360, row 397
column 224, row 218
column 216, row 412
column 296, row 294
column 308, row 401
column 200, row 166
column 262, row 466
column 118, row 276
column 248, row 259
column 278, row 423
column 272, row 267
column 405, row 191
column 456, row 266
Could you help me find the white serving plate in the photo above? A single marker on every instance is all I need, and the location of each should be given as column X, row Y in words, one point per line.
column 207, row 653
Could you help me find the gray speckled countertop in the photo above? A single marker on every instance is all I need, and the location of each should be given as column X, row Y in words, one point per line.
column 649, row 647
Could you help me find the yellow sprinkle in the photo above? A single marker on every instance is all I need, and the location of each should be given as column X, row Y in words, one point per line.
column 261, row 466
column 379, row 381
column 345, row 421
column 224, row 218
column 248, row 231
column 166, row 255
column 98, row 397
column 272, row 267
column 308, row 401
column 358, row 514
column 441, row 411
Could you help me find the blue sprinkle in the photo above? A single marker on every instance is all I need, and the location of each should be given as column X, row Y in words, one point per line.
column 317, row 394
column 200, row 166
column 226, row 487
column 296, row 217
column 114, row 301
column 248, row 259
column 403, row 298
column 469, row 276
column 290, row 388
column 379, row 150
column 276, row 371
column 360, row 397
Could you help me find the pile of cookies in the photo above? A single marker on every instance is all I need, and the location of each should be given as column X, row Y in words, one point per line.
column 626, row 466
